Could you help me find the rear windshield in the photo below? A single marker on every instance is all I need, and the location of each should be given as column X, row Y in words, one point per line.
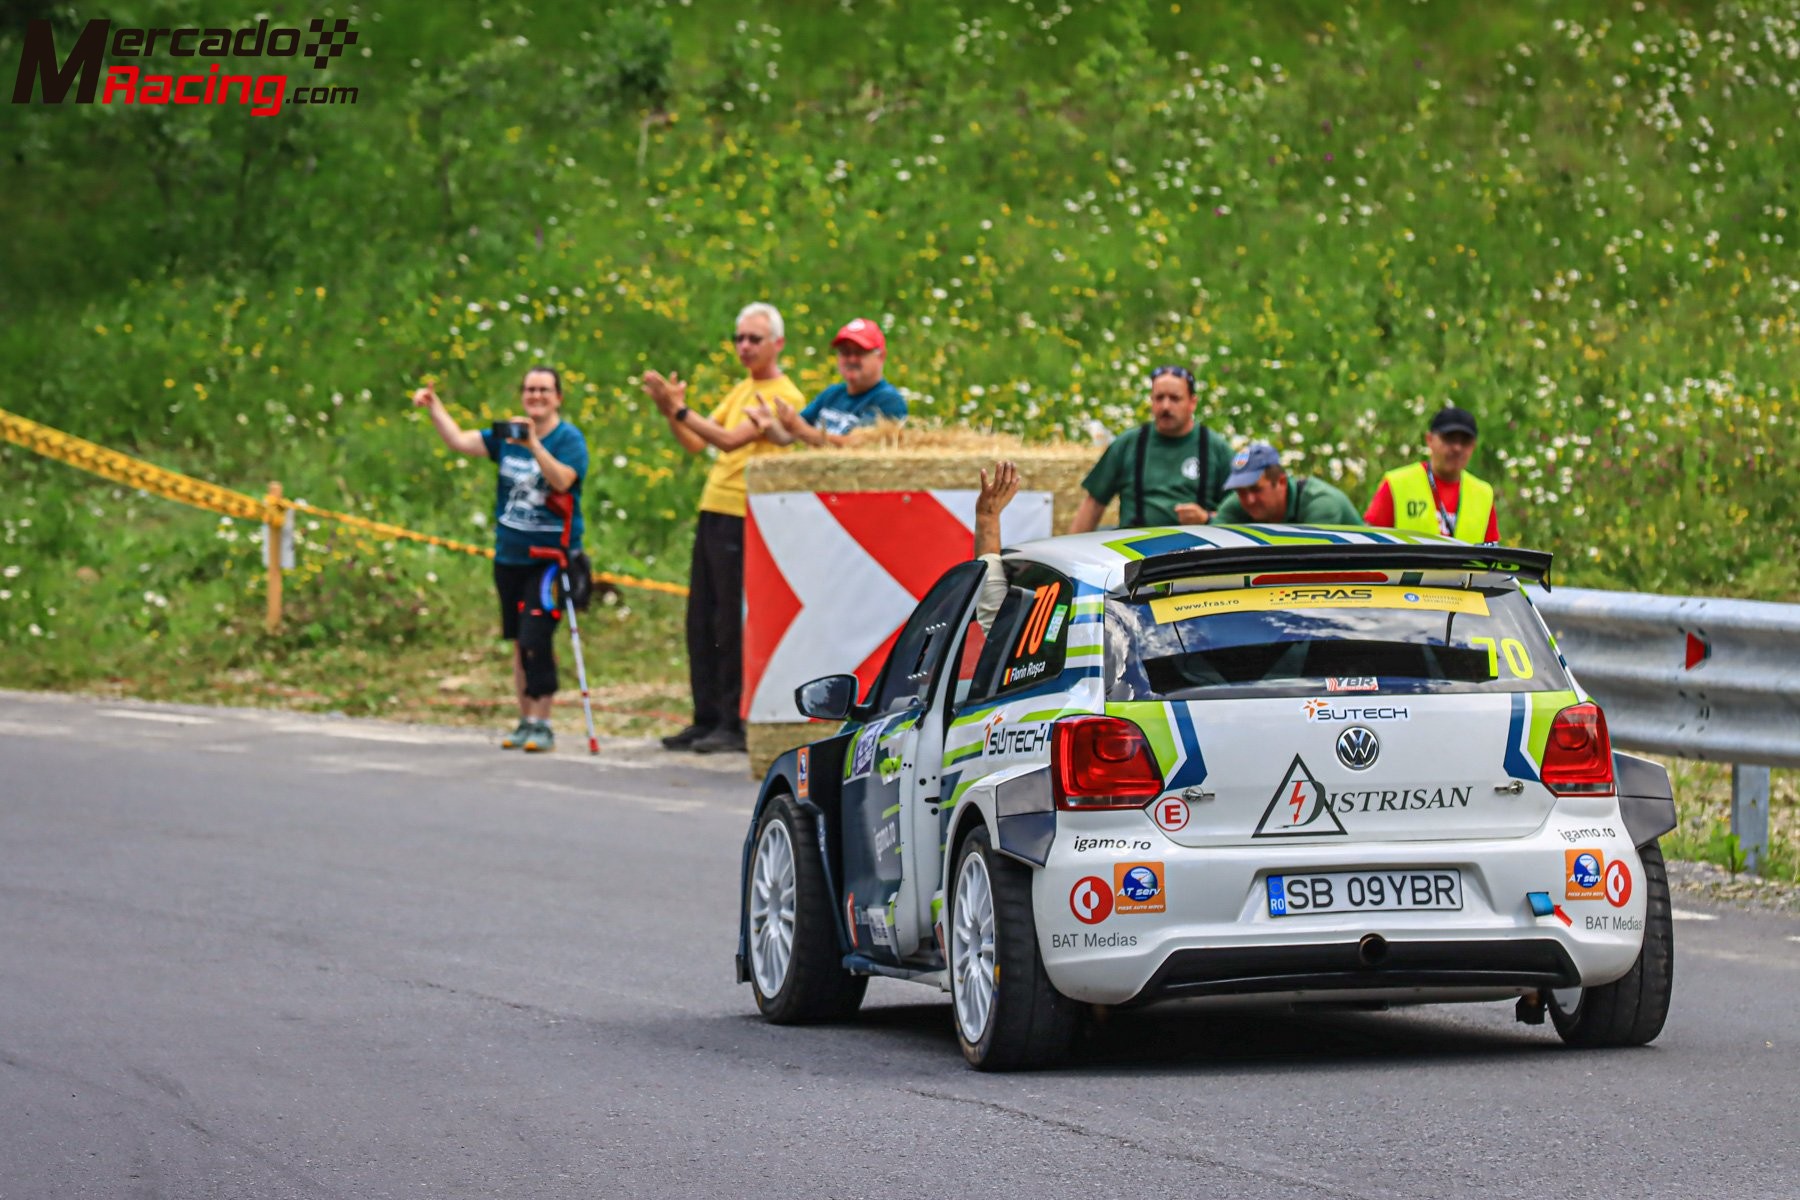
column 1273, row 642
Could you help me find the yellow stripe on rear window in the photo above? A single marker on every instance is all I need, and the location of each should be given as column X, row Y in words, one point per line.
column 1317, row 595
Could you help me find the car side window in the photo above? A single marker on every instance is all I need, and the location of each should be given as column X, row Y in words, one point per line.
column 1026, row 645
column 920, row 650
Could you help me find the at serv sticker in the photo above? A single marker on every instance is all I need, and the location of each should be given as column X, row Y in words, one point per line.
column 1303, row 596
column 1300, row 807
column 1618, row 883
column 803, row 772
column 1581, row 875
column 1139, row 888
column 1091, row 900
column 1172, row 814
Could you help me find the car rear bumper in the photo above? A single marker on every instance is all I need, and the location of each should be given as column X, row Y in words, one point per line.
column 1342, row 966
column 1215, row 936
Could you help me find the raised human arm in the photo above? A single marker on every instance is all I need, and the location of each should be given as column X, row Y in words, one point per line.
column 995, row 495
column 670, row 396
column 463, row 441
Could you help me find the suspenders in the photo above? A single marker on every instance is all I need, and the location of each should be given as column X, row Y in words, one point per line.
column 1143, row 454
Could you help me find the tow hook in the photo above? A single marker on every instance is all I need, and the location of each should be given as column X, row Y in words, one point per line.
column 1530, row 1008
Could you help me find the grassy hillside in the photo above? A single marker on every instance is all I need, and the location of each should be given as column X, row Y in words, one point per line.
column 1570, row 217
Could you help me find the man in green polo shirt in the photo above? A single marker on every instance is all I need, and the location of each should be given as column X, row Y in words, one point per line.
column 1265, row 494
column 1170, row 471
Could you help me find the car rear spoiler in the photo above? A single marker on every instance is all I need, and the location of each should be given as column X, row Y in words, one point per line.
column 1531, row 565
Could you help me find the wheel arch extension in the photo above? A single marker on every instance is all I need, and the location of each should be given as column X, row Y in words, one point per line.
column 1646, row 797
column 824, row 771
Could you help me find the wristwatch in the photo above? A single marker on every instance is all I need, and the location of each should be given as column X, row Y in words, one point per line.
column 681, row 414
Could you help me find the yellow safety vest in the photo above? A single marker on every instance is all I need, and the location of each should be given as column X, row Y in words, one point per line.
column 1416, row 508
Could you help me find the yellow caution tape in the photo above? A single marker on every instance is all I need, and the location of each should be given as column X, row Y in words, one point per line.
column 136, row 473
column 132, row 472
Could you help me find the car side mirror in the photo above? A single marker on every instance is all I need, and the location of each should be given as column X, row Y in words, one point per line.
column 827, row 699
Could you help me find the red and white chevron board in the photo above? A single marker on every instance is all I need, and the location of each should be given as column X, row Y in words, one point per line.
column 830, row 577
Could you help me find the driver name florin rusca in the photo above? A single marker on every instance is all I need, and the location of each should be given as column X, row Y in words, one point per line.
column 39, row 65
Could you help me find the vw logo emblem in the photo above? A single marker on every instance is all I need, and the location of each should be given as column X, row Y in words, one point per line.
column 1357, row 748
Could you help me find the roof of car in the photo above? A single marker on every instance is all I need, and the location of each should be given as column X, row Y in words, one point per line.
column 1100, row 558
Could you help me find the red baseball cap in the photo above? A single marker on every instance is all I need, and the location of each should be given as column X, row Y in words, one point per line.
column 865, row 334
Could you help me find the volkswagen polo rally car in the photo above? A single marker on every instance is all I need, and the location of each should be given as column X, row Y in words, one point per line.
column 1268, row 761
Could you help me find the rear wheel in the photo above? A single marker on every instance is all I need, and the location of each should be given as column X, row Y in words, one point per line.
column 1630, row 1010
column 1008, row 1016
column 796, row 969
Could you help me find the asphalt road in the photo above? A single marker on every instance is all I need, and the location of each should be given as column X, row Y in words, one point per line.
column 262, row 955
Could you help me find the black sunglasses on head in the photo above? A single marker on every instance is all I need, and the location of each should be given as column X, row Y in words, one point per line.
column 1178, row 372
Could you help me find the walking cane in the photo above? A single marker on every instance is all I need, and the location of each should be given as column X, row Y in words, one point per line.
column 563, row 504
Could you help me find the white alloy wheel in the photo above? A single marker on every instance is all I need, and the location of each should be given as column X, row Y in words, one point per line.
column 773, row 898
column 972, row 948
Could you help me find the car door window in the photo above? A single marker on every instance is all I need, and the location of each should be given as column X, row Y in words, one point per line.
column 919, row 651
column 1026, row 645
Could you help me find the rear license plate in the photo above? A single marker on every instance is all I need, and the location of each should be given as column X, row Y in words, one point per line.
column 1437, row 890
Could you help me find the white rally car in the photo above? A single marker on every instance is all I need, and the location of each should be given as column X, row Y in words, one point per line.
column 1311, row 765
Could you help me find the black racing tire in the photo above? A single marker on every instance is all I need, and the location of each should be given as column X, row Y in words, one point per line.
column 795, row 965
column 1629, row 1011
column 1027, row 1023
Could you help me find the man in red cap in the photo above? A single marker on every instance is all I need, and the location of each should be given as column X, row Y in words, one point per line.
column 862, row 399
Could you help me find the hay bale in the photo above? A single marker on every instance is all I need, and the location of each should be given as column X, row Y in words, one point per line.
column 892, row 458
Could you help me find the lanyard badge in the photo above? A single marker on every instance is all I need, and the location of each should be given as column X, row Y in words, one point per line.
column 1446, row 516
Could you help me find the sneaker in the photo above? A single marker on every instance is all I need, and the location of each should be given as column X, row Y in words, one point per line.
column 686, row 738
column 541, row 738
column 721, row 741
column 516, row 738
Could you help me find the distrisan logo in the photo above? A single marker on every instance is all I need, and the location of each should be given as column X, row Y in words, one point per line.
column 42, row 69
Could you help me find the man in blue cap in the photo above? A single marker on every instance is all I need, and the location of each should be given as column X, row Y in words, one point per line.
column 1263, row 494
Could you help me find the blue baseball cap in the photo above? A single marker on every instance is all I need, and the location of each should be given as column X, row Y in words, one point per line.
column 1250, row 463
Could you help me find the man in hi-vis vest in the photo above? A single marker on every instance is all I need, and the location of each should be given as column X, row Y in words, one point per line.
column 1439, row 495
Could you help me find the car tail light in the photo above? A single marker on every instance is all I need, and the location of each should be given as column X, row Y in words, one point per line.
column 1102, row 762
column 1578, row 754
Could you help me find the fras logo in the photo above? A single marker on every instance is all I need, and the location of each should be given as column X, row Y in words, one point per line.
column 42, row 70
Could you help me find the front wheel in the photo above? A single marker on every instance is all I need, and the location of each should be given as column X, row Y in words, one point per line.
column 1008, row 1015
column 1630, row 1010
column 796, row 969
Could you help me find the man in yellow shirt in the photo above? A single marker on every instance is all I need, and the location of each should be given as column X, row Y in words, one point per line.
column 715, row 611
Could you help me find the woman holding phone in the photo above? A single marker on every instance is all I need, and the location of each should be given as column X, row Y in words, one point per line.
column 537, row 454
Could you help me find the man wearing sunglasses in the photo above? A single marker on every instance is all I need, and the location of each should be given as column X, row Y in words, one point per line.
column 1170, row 471
column 737, row 429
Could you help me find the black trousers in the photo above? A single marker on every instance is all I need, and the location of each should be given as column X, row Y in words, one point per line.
column 715, row 620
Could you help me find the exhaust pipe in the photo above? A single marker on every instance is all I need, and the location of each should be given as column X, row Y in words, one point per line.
column 1372, row 949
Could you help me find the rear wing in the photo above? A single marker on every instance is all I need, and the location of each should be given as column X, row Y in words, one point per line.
column 1531, row 565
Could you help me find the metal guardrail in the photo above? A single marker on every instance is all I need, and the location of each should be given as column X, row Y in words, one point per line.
column 1694, row 677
